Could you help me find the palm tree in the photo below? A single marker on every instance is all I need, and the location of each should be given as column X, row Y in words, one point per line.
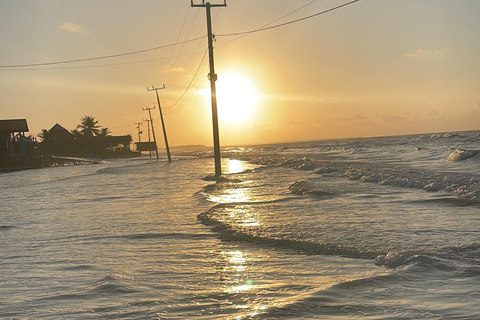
column 88, row 127
column 104, row 132
column 76, row 134
column 44, row 135
column 47, row 142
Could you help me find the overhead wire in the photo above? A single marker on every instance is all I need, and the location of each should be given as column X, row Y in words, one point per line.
column 191, row 54
column 243, row 33
column 181, row 49
column 100, row 57
column 194, row 79
column 286, row 23
column 189, row 85
column 272, row 22
column 173, row 50
column 178, row 43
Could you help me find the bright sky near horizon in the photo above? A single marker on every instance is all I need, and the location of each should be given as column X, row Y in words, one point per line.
column 371, row 68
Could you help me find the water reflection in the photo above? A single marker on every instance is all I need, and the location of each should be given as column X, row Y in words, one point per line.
column 240, row 273
column 233, row 195
column 236, row 166
column 240, row 270
column 233, row 190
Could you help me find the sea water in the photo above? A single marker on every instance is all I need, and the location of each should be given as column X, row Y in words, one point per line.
column 378, row 228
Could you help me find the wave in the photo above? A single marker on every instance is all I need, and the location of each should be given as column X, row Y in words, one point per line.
column 460, row 155
column 335, row 300
column 306, row 188
column 449, row 201
column 462, row 185
column 395, row 259
column 221, row 179
column 228, row 231
column 114, row 285
column 135, row 236
column 468, row 254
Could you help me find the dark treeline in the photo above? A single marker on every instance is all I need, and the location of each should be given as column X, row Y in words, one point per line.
column 87, row 139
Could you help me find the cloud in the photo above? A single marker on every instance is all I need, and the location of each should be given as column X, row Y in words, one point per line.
column 72, row 27
column 353, row 118
column 170, row 69
column 425, row 53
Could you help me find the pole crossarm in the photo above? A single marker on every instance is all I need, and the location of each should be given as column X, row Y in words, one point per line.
column 204, row 4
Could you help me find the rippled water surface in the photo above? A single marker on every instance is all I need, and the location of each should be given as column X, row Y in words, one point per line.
column 381, row 228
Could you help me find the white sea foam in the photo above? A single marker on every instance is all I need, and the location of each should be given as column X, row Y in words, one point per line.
column 460, row 155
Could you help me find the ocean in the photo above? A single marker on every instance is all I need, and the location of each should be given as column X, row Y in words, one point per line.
column 372, row 228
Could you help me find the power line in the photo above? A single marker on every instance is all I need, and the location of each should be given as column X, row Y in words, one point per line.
column 190, row 84
column 173, row 50
column 105, row 65
column 272, row 22
column 289, row 14
column 178, row 43
column 100, row 57
column 286, row 23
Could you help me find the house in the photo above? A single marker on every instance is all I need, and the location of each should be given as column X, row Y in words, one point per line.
column 17, row 151
column 60, row 140
column 113, row 144
column 13, row 142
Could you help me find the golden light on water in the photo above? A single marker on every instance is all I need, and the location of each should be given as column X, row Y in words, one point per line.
column 231, row 196
column 236, row 261
column 236, row 166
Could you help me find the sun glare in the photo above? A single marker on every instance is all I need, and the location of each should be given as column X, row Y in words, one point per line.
column 236, row 98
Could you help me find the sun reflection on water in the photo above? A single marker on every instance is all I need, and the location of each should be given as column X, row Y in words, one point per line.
column 236, row 271
column 236, row 166
column 243, row 283
column 236, row 195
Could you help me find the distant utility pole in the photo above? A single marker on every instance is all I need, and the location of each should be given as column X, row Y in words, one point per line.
column 153, row 130
column 148, row 132
column 163, row 124
column 213, row 78
column 138, row 130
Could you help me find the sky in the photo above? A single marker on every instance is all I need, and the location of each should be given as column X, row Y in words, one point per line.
column 371, row 68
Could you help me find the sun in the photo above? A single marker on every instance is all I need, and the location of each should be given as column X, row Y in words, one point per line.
column 237, row 98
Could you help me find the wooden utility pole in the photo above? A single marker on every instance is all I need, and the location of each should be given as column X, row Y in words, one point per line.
column 138, row 130
column 163, row 124
column 148, row 132
column 153, row 130
column 213, row 78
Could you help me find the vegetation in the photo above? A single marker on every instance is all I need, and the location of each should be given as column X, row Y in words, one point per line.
column 88, row 127
column 88, row 139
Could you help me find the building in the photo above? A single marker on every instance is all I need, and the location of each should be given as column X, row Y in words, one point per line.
column 17, row 151
column 60, row 141
column 13, row 142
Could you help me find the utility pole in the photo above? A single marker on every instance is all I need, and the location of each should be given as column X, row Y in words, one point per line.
column 213, row 78
column 163, row 124
column 148, row 132
column 153, row 130
column 138, row 130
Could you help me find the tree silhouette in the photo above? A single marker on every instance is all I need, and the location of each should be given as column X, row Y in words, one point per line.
column 76, row 134
column 88, row 127
column 104, row 132
column 44, row 135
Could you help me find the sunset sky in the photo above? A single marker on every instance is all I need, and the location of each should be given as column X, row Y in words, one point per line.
column 371, row 68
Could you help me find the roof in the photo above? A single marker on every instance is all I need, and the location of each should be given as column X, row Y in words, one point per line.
column 116, row 139
column 59, row 129
column 14, row 125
